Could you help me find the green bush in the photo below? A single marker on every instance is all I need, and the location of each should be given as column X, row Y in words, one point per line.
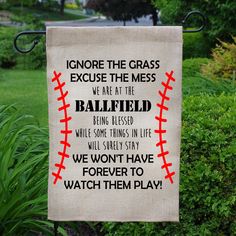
column 220, row 15
column 36, row 59
column 195, row 45
column 7, row 54
column 4, row 6
column 71, row 6
column 9, row 57
column 192, row 67
column 49, row 5
column 195, row 83
column 22, row 3
column 223, row 64
column 207, row 173
column 32, row 21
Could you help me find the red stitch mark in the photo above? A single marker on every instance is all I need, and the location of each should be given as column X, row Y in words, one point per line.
column 63, row 154
column 160, row 131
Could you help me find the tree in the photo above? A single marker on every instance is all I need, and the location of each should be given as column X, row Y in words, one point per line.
column 124, row 10
column 220, row 15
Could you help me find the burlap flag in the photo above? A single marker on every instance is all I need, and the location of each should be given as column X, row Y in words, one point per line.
column 114, row 98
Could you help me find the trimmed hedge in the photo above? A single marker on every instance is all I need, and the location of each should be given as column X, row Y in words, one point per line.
column 207, row 177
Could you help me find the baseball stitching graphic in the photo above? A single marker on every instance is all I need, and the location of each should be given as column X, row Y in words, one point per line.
column 65, row 120
column 160, row 131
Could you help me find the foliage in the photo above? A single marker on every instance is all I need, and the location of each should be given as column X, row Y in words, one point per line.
column 7, row 55
column 221, row 15
column 223, row 64
column 4, row 5
column 195, row 45
column 23, row 177
column 42, row 12
column 36, row 59
column 207, row 175
column 194, row 83
column 123, row 10
column 48, row 5
column 23, row 163
column 171, row 11
column 10, row 58
column 22, row 3
column 192, row 67
column 71, row 6
column 28, row 21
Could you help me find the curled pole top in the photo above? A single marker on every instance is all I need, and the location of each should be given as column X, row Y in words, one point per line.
column 203, row 21
column 42, row 32
column 34, row 43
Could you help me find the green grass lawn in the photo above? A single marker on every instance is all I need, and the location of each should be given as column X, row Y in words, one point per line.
column 74, row 11
column 45, row 15
column 28, row 89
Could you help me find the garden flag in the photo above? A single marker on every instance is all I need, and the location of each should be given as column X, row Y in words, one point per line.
column 114, row 98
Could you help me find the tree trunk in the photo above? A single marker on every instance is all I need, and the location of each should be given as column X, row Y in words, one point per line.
column 154, row 17
column 62, row 7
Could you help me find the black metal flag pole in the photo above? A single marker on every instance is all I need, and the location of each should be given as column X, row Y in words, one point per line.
column 42, row 32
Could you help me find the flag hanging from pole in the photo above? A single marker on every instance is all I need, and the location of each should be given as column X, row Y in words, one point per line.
column 114, row 98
